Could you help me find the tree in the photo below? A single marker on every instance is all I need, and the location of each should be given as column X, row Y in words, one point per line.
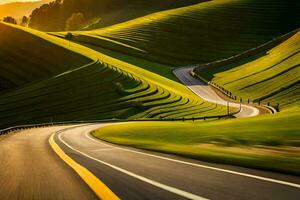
column 10, row 19
column 24, row 21
column 69, row 37
column 48, row 17
column 75, row 21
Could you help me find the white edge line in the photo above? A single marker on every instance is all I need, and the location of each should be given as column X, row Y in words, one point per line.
column 104, row 149
column 149, row 181
column 202, row 166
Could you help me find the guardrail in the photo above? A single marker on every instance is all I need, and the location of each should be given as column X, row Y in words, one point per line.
column 66, row 123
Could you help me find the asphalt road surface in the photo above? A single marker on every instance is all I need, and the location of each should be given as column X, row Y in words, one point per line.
column 135, row 174
column 30, row 170
column 205, row 92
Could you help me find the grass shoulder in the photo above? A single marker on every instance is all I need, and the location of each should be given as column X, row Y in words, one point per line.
column 266, row 142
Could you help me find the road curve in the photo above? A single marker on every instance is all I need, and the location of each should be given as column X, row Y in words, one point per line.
column 30, row 170
column 205, row 92
column 135, row 174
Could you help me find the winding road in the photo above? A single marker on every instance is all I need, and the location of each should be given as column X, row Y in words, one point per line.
column 34, row 171
column 205, row 92
column 72, row 165
column 135, row 174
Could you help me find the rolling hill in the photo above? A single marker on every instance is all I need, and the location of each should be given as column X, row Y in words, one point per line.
column 104, row 88
column 271, row 76
column 124, row 72
column 199, row 33
column 98, row 13
column 25, row 58
column 134, row 9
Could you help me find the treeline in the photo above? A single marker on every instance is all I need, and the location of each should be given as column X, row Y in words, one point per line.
column 61, row 15
column 69, row 14
column 10, row 19
column 74, row 14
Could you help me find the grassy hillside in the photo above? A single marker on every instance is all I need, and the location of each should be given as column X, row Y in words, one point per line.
column 99, row 90
column 273, row 76
column 199, row 33
column 266, row 142
column 25, row 58
column 134, row 9
column 97, row 13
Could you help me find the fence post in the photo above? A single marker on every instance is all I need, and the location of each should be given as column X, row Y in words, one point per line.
column 228, row 108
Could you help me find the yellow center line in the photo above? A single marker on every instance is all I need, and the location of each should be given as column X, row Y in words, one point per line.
column 100, row 189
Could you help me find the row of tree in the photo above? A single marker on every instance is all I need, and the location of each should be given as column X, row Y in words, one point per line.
column 70, row 14
column 9, row 19
column 47, row 18
column 73, row 14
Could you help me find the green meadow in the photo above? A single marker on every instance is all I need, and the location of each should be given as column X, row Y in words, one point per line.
column 266, row 142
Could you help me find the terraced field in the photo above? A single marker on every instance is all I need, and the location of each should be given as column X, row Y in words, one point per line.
column 16, row 67
column 199, row 33
column 100, row 90
column 134, row 9
column 273, row 77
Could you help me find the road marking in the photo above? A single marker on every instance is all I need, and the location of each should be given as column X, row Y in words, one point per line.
column 141, row 178
column 104, row 149
column 100, row 189
column 198, row 165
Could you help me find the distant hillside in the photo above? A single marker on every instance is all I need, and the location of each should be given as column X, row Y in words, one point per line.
column 270, row 76
column 200, row 33
column 138, row 8
column 53, row 16
column 19, row 9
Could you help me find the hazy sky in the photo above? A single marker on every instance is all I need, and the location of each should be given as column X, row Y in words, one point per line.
column 9, row 1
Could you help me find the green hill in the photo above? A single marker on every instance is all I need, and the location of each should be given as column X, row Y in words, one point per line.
column 103, row 89
column 97, row 13
column 25, row 58
column 199, row 33
column 134, row 9
column 272, row 76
